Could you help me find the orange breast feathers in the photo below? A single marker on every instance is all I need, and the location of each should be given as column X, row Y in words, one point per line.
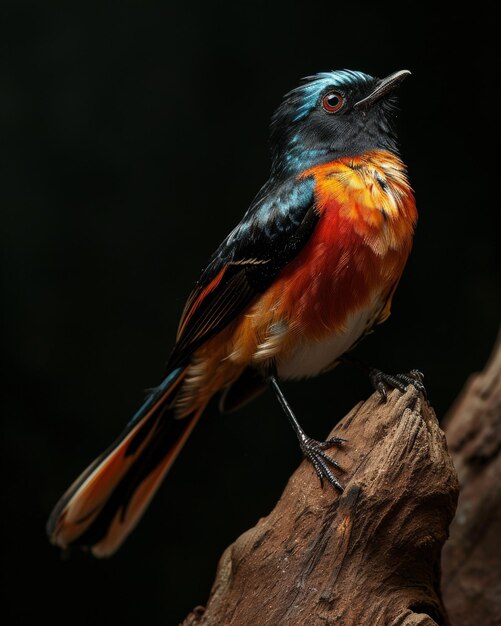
column 357, row 252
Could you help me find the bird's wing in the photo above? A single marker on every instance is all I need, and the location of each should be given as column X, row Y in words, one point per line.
column 270, row 235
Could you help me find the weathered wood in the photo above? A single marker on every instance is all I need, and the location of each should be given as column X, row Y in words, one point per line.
column 370, row 557
column 472, row 556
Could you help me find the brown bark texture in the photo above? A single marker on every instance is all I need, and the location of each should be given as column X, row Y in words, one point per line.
column 367, row 557
column 472, row 556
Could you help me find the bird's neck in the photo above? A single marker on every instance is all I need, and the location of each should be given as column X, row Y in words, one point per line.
column 297, row 158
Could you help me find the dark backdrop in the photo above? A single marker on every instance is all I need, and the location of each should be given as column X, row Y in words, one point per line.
column 135, row 135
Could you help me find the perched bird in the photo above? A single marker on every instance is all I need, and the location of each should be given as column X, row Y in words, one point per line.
column 309, row 270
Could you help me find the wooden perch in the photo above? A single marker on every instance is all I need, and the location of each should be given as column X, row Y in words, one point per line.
column 368, row 557
column 472, row 556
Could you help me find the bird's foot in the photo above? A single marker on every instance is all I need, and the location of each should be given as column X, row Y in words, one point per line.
column 312, row 449
column 383, row 382
column 323, row 463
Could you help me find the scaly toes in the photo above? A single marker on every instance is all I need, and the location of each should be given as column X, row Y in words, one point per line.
column 314, row 451
column 414, row 378
column 329, row 443
column 382, row 382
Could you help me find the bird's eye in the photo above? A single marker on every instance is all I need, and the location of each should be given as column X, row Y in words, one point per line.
column 332, row 102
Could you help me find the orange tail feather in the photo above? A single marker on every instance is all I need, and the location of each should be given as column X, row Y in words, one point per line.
column 106, row 502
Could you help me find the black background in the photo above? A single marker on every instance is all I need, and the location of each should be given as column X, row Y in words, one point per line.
column 134, row 136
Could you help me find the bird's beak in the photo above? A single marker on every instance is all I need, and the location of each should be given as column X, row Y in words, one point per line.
column 384, row 86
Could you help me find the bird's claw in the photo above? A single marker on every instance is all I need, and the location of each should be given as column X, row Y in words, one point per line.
column 314, row 451
column 382, row 382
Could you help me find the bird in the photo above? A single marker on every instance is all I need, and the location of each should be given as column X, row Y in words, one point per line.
column 309, row 270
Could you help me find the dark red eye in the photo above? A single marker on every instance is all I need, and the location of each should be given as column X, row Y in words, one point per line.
column 332, row 102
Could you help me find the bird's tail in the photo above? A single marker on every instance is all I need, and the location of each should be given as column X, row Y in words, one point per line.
column 108, row 499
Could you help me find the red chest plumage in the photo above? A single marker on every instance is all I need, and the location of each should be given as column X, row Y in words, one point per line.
column 360, row 245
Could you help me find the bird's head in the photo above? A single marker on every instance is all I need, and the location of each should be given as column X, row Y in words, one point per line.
column 331, row 115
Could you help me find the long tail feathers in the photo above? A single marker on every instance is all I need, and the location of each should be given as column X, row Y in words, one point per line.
column 108, row 499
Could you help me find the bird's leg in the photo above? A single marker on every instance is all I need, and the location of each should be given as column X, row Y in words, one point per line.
column 312, row 449
column 382, row 382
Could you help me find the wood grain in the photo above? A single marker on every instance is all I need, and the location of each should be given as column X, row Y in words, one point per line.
column 370, row 556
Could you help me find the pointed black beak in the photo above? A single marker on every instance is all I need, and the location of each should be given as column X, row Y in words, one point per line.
column 384, row 86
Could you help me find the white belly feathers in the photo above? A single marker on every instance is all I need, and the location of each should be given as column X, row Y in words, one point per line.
column 310, row 358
